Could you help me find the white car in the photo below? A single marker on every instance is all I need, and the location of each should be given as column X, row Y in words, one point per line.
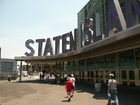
column 25, row 75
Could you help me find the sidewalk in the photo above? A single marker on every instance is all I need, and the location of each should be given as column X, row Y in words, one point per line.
column 36, row 92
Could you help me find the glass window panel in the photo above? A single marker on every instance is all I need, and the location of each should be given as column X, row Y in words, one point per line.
column 89, row 67
column 6, row 66
column 97, row 74
column 139, row 74
column 131, row 75
column 79, row 73
column 138, row 63
column 123, row 74
column 99, row 66
column 127, row 64
column 127, row 59
column 88, row 74
column 110, row 61
column 82, row 73
column 90, row 61
column 92, row 74
column 70, row 67
column 107, row 74
column 110, row 65
column 101, row 74
column 81, row 62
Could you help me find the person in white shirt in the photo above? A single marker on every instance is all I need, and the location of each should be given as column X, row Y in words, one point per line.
column 112, row 89
column 73, row 84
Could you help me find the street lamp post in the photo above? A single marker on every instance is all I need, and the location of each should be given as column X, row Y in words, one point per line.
column 30, row 69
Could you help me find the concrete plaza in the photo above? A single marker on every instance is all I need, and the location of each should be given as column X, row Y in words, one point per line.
column 40, row 92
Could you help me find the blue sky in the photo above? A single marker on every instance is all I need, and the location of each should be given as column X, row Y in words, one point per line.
column 21, row 20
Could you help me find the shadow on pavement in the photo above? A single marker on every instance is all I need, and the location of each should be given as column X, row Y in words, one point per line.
column 65, row 101
column 51, row 82
column 126, row 95
column 90, row 89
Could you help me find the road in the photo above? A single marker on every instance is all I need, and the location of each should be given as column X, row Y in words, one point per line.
column 40, row 92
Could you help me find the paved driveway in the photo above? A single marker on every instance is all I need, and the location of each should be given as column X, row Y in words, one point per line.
column 35, row 92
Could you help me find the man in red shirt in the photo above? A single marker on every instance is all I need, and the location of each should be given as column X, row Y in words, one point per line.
column 68, row 88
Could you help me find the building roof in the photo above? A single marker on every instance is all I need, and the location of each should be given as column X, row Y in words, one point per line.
column 120, row 41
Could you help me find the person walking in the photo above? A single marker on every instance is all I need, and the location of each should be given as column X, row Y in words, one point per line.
column 112, row 89
column 47, row 77
column 40, row 76
column 0, row 99
column 73, row 84
column 57, row 81
column 68, row 88
column 9, row 78
column 65, row 77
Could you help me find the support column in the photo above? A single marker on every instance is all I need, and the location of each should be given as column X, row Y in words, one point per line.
column 63, row 64
column 27, row 68
column 71, row 64
column 118, row 74
column 20, row 71
column 136, row 73
column 94, row 71
column 104, row 71
column 85, row 70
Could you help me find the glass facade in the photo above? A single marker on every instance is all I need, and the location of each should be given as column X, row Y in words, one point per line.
column 100, row 7
column 96, row 6
column 123, row 64
column 8, row 66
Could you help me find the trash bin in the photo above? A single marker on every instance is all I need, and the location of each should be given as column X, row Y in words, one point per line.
column 97, row 87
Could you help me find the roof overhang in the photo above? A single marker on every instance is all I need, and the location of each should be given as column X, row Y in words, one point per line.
column 111, row 40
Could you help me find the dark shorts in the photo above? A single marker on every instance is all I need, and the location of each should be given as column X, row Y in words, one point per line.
column 73, row 87
column 65, row 79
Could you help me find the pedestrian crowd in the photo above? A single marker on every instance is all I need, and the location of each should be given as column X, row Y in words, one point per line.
column 111, row 90
column 69, row 81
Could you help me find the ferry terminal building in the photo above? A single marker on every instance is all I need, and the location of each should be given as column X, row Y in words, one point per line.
column 107, row 40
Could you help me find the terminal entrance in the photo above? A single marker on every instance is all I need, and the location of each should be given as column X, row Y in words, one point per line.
column 124, row 65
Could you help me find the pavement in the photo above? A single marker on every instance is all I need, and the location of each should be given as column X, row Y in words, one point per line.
column 32, row 91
